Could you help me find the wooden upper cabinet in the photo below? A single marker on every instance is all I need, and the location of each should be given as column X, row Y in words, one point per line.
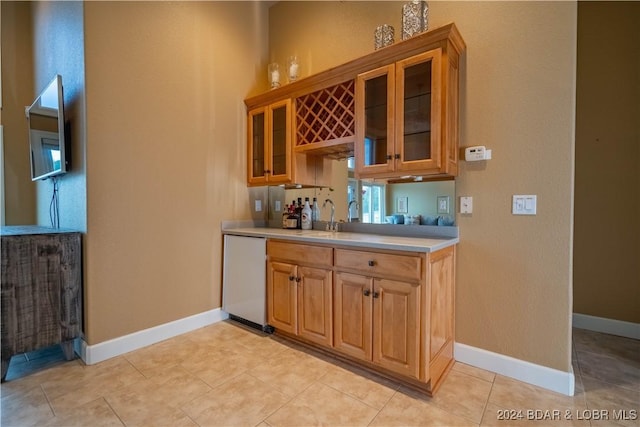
column 269, row 144
column 399, row 119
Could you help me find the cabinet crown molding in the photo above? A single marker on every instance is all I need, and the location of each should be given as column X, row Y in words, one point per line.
column 446, row 36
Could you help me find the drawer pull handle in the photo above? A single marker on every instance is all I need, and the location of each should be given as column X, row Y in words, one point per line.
column 372, row 263
column 367, row 292
column 376, row 294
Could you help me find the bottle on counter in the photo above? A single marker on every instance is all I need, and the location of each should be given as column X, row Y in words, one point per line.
column 315, row 210
column 305, row 217
column 292, row 217
column 285, row 216
column 299, row 212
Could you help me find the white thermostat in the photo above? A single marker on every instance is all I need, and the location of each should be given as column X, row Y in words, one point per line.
column 479, row 152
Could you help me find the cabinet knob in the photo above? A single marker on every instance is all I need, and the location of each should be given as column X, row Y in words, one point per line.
column 298, row 279
column 371, row 263
column 389, row 157
column 291, row 278
column 367, row 292
column 376, row 294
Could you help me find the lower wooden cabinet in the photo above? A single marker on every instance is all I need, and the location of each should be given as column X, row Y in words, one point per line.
column 282, row 296
column 41, row 280
column 441, row 317
column 377, row 320
column 396, row 332
column 300, row 291
column 391, row 310
column 353, row 315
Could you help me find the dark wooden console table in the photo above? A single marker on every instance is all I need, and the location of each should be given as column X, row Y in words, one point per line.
column 41, row 290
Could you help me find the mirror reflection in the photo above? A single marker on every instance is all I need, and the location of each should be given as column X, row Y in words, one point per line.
column 373, row 202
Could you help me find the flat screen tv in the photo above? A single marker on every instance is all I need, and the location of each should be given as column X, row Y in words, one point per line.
column 47, row 132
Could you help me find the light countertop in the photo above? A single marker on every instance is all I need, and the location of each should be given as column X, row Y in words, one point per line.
column 346, row 238
column 22, row 230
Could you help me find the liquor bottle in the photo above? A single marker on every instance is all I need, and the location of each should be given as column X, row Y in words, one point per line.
column 292, row 218
column 299, row 212
column 305, row 218
column 315, row 210
column 285, row 216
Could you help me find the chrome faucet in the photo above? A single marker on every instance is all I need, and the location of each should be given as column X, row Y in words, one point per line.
column 349, row 208
column 332, row 223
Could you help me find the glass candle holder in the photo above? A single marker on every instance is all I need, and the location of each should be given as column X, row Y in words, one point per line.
column 274, row 75
column 293, row 68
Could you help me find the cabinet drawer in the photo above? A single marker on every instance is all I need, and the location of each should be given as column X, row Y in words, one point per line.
column 300, row 253
column 377, row 264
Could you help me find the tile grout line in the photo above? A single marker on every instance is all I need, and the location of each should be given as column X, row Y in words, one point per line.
column 264, row 420
column 384, row 406
column 53, row 411
column 113, row 410
column 486, row 403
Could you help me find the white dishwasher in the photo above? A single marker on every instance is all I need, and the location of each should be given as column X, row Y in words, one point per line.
column 244, row 286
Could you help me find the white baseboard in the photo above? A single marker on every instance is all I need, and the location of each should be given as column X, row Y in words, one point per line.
column 607, row 326
column 92, row 354
column 521, row 370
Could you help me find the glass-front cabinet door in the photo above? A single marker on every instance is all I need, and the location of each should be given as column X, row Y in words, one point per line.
column 398, row 117
column 257, row 148
column 418, row 106
column 269, row 145
column 374, row 148
column 279, row 149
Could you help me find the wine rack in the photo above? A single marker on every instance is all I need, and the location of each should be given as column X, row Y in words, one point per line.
column 325, row 121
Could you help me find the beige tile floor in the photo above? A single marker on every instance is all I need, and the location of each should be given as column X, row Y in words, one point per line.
column 226, row 375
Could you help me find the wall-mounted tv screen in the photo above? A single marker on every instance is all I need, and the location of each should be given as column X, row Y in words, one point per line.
column 46, row 132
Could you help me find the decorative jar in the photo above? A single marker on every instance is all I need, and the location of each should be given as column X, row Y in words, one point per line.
column 415, row 18
column 383, row 36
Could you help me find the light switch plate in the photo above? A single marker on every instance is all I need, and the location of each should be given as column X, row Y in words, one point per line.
column 466, row 205
column 524, row 204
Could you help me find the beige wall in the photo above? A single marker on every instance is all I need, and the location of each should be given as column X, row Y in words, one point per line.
column 518, row 98
column 607, row 230
column 166, row 154
column 17, row 92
